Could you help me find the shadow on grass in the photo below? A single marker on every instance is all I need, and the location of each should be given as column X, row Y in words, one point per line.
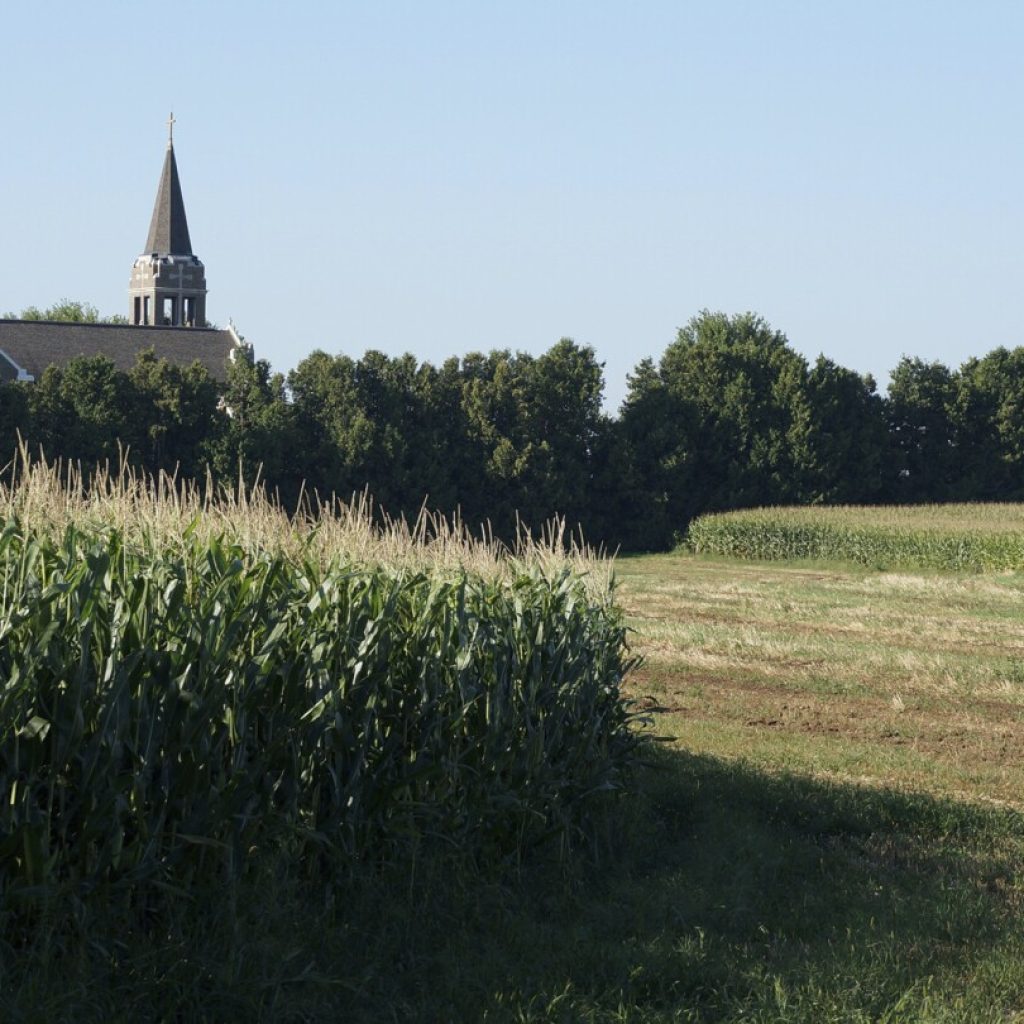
column 717, row 894
column 725, row 894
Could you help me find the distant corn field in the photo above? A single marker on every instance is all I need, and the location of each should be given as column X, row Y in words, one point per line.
column 968, row 537
column 189, row 681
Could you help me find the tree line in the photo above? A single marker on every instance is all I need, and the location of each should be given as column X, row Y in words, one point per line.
column 730, row 416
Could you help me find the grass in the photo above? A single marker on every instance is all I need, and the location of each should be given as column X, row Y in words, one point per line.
column 834, row 834
column 909, row 680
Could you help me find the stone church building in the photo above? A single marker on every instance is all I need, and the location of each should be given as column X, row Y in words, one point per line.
column 166, row 307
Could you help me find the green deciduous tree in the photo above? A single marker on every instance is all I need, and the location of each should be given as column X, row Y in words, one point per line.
column 258, row 437
column 83, row 411
column 847, row 442
column 988, row 423
column 921, row 428
column 15, row 419
column 67, row 311
column 177, row 413
column 728, row 415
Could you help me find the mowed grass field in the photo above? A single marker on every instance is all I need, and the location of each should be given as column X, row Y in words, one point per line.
column 894, row 678
column 848, row 747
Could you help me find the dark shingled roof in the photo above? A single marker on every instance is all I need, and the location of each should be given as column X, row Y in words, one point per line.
column 168, row 230
column 36, row 344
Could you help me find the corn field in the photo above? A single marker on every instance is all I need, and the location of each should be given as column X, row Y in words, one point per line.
column 965, row 537
column 191, row 681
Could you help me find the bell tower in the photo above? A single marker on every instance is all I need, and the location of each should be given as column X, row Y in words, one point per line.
column 168, row 284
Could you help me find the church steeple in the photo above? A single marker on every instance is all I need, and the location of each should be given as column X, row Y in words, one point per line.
column 168, row 230
column 168, row 284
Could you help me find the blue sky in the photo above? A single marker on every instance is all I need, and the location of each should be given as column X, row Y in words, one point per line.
column 452, row 176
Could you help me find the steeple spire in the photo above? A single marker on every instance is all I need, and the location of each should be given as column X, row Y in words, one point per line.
column 168, row 285
column 168, row 230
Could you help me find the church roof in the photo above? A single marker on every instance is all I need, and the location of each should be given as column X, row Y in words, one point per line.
column 33, row 345
column 168, row 230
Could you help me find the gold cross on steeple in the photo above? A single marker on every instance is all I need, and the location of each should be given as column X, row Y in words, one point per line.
column 170, row 129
